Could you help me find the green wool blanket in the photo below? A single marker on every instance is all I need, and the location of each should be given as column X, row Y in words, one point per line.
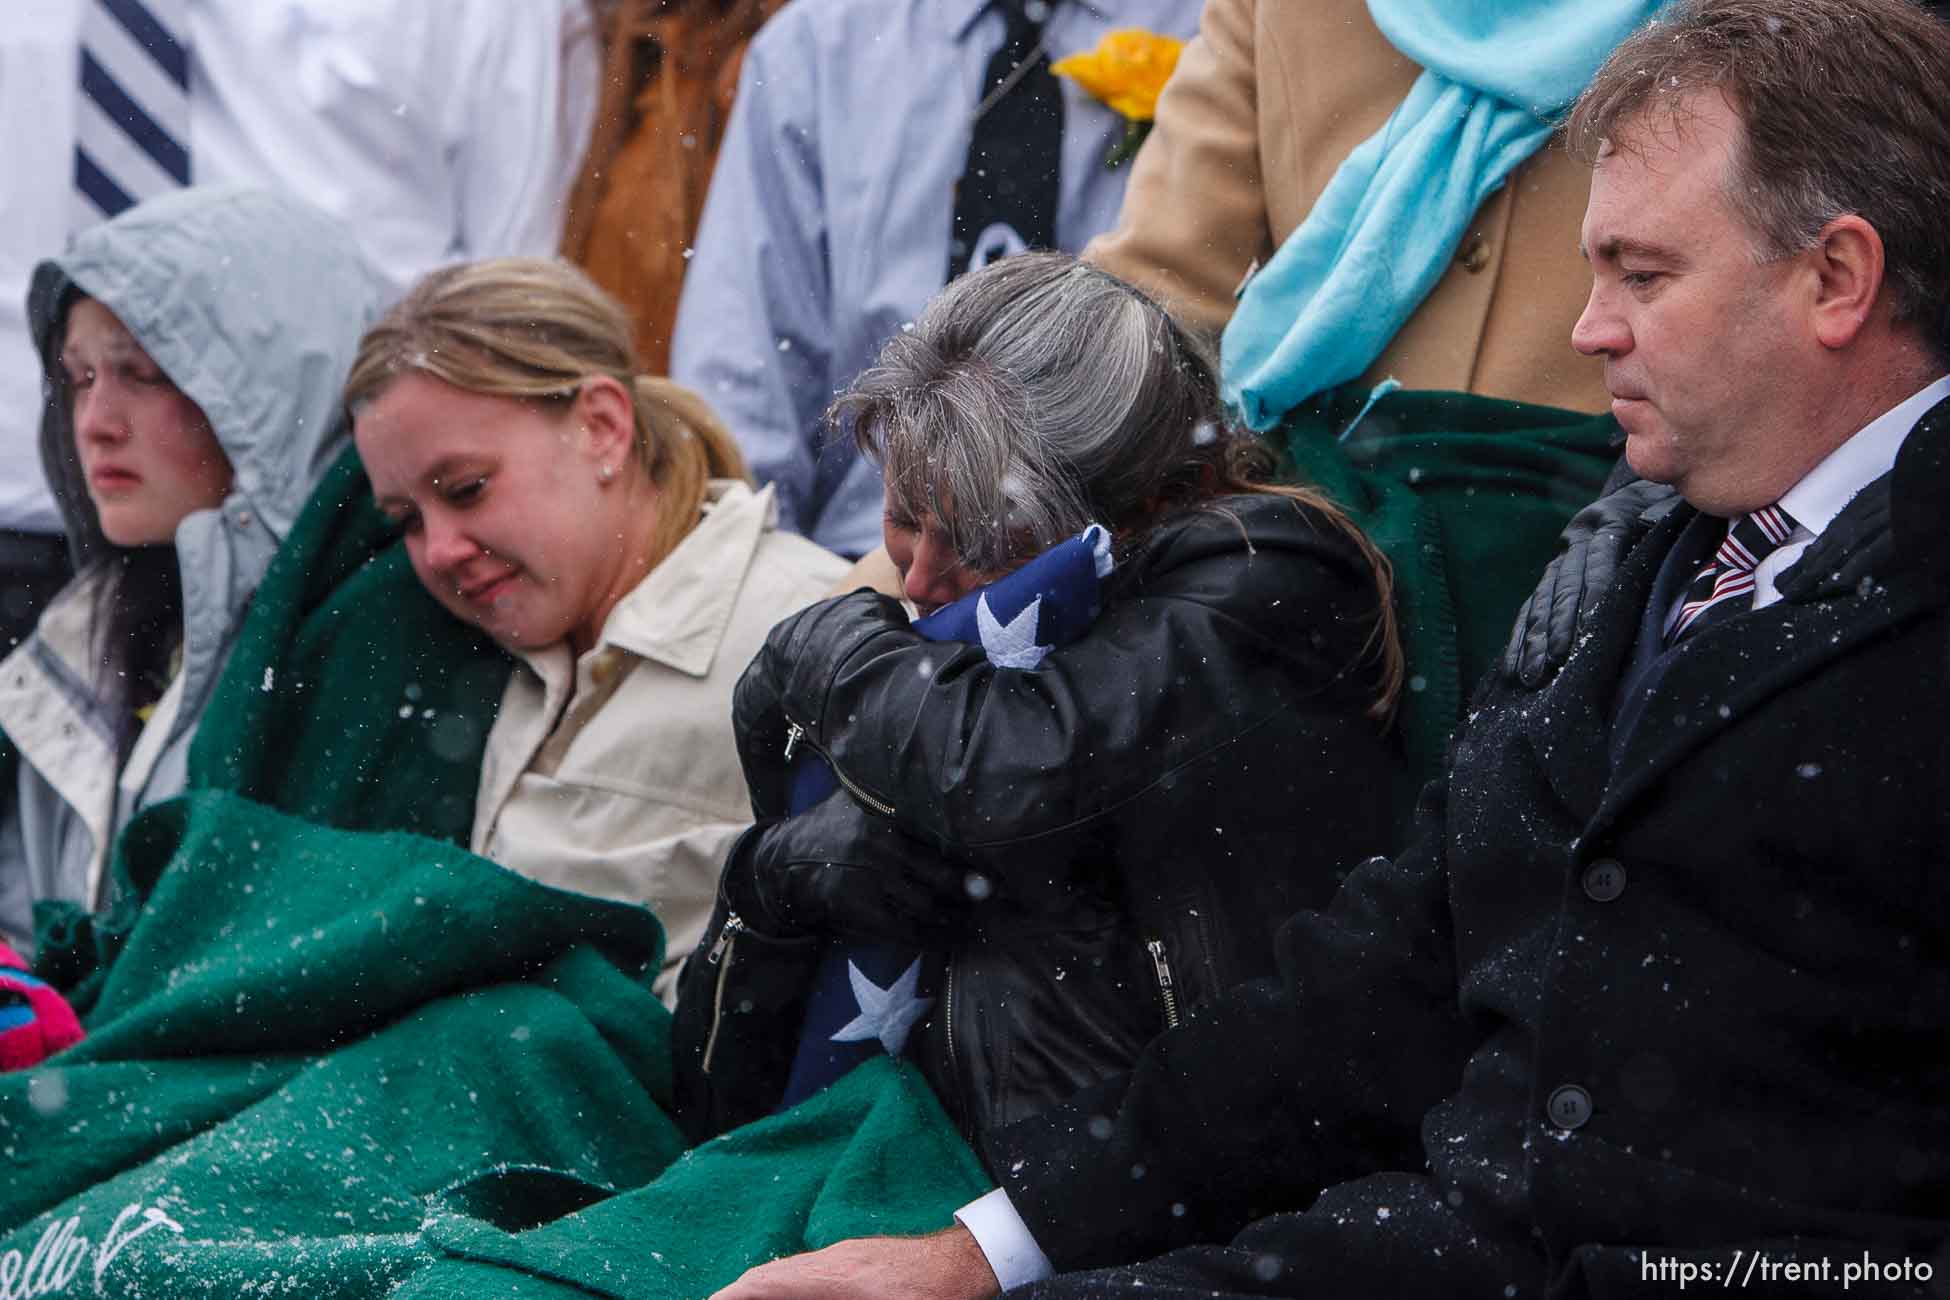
column 309, row 1031
column 331, row 1052
column 325, row 1062
column 351, row 699
column 871, row 1154
column 1466, row 497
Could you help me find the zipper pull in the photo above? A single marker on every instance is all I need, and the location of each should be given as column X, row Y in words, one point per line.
column 1166, row 993
column 726, row 936
column 1159, row 962
column 794, row 733
column 720, row 948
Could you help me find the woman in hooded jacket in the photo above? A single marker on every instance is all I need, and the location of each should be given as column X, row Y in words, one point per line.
column 195, row 347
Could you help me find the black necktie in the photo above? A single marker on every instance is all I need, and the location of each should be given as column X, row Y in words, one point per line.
column 1005, row 201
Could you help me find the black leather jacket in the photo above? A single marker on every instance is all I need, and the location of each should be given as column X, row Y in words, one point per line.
column 1151, row 802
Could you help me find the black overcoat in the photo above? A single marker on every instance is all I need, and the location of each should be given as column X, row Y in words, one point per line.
column 1607, row 1018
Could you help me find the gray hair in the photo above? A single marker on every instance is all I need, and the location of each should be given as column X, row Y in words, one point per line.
column 1040, row 394
column 1033, row 397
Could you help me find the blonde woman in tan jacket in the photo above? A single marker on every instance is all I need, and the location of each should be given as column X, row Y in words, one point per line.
column 598, row 524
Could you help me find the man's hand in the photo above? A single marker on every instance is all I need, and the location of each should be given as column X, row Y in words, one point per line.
column 945, row 1265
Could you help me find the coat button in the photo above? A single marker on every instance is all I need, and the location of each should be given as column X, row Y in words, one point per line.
column 1475, row 254
column 1569, row 1106
column 1604, row 880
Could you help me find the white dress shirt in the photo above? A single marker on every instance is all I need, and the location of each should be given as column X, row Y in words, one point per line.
column 441, row 130
column 1822, row 493
column 38, row 43
column 1012, row 1253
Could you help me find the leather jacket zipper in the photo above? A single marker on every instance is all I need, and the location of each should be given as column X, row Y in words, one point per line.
column 796, row 732
column 948, row 1017
column 720, row 956
column 1167, row 988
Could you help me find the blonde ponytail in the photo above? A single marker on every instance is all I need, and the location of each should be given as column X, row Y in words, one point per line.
column 683, row 444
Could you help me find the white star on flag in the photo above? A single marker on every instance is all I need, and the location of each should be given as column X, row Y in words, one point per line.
column 1011, row 644
column 887, row 1014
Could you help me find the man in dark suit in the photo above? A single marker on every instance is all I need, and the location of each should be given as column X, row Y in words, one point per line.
column 1662, row 995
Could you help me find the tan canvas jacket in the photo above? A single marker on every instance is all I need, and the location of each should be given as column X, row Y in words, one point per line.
column 615, row 773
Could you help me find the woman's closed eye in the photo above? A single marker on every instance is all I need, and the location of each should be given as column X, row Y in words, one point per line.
column 405, row 518
column 464, row 491
column 136, row 376
column 458, row 493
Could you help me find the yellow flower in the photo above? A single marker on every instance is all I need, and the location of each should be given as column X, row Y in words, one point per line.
column 1126, row 70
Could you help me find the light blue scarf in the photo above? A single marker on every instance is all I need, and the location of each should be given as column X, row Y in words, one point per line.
column 1382, row 233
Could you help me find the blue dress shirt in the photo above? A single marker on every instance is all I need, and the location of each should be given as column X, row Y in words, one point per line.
column 827, row 223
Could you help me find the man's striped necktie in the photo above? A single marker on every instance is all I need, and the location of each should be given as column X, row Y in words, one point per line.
column 132, row 125
column 1726, row 582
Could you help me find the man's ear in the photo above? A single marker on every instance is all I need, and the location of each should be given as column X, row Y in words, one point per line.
column 1848, row 265
column 606, row 413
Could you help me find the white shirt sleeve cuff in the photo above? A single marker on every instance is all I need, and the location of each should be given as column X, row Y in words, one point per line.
column 1005, row 1240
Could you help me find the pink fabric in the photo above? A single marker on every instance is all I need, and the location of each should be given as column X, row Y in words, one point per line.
column 53, row 1027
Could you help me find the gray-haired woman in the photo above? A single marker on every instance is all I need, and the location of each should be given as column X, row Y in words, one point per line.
column 1147, row 804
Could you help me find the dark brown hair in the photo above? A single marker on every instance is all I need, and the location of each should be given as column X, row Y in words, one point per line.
column 135, row 622
column 1846, row 105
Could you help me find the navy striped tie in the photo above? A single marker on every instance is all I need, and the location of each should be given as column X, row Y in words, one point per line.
column 132, row 125
column 1726, row 582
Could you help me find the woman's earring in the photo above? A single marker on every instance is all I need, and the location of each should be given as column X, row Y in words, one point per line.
column 606, row 473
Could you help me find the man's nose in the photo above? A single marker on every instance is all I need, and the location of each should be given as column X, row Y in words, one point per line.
column 1600, row 331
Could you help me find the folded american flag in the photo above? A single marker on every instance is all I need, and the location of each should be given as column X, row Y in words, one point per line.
column 867, row 996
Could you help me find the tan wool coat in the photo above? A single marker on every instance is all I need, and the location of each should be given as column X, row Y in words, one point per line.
column 1265, row 104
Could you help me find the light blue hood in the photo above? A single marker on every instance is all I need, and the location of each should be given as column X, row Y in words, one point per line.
column 252, row 303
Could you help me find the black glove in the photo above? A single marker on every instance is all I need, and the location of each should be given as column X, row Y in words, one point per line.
column 838, row 870
column 805, row 650
column 1596, row 540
